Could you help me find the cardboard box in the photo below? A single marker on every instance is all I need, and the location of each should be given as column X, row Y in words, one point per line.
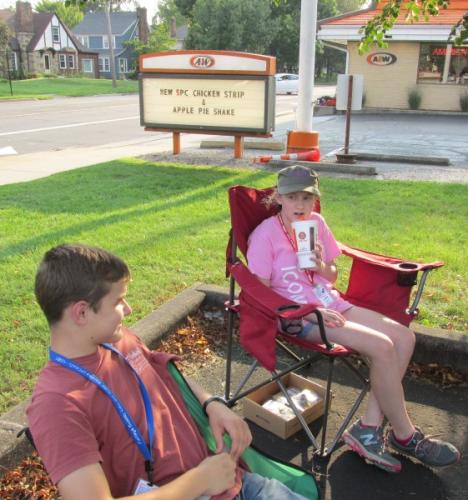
column 254, row 411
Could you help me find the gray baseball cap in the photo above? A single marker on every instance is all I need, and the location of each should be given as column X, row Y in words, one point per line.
column 297, row 178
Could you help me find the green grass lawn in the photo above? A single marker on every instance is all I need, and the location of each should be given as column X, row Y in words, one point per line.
column 42, row 87
column 170, row 223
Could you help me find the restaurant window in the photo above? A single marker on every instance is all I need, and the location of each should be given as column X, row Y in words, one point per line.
column 440, row 63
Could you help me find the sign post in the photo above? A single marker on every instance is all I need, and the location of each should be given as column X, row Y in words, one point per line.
column 349, row 91
column 208, row 92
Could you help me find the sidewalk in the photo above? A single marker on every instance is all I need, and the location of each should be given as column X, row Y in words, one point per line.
column 435, row 409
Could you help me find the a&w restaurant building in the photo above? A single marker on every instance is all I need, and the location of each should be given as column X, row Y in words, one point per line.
column 418, row 58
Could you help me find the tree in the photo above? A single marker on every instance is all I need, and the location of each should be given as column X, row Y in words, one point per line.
column 167, row 9
column 326, row 58
column 185, row 7
column 158, row 40
column 215, row 25
column 377, row 27
column 343, row 6
column 4, row 46
column 71, row 15
column 107, row 6
column 285, row 43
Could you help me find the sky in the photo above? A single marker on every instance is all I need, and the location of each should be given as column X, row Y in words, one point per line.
column 151, row 6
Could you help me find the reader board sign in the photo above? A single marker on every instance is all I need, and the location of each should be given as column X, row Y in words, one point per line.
column 207, row 90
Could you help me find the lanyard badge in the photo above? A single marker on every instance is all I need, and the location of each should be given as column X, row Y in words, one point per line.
column 145, row 448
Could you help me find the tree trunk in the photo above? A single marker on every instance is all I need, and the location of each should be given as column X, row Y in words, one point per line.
column 111, row 45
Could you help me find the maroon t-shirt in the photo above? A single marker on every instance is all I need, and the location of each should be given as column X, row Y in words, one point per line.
column 75, row 424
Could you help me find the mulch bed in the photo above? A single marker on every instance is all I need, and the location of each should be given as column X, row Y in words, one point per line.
column 197, row 344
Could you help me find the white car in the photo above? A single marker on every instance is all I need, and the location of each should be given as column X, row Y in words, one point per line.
column 287, row 83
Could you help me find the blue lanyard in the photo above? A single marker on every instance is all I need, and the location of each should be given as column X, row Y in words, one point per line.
column 128, row 422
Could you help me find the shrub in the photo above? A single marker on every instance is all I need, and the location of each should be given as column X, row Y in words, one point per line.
column 464, row 101
column 414, row 99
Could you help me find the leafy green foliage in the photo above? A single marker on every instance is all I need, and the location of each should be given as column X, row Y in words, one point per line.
column 375, row 30
column 167, row 9
column 159, row 39
column 414, row 99
column 71, row 15
column 459, row 33
column 285, row 42
column 185, row 7
column 344, row 6
column 464, row 102
column 216, row 25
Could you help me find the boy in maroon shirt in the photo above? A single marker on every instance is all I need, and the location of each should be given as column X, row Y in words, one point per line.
column 106, row 416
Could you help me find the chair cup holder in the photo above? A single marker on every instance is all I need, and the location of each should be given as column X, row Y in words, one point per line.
column 406, row 277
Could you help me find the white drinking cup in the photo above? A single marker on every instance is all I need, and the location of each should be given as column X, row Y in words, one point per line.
column 306, row 260
column 305, row 234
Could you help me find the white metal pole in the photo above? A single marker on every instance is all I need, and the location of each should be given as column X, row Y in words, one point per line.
column 306, row 64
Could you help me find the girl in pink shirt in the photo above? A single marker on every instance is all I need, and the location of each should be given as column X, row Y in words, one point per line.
column 387, row 344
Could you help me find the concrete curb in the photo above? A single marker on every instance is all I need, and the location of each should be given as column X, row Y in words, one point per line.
column 445, row 348
column 252, row 144
column 321, row 166
column 423, row 160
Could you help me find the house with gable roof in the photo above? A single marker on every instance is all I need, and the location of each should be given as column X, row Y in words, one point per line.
column 125, row 26
column 418, row 58
column 41, row 43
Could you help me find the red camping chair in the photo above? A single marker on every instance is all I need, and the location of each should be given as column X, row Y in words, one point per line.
column 376, row 282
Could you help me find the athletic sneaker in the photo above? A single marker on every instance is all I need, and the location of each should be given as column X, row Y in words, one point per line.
column 368, row 442
column 426, row 449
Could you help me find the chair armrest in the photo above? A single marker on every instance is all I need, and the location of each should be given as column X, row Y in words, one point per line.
column 271, row 303
column 395, row 263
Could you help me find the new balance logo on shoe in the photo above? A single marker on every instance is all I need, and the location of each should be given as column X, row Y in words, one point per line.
column 368, row 439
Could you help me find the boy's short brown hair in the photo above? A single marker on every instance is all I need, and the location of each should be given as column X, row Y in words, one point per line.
column 70, row 273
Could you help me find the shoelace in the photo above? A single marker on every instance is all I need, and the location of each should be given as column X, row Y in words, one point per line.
column 425, row 445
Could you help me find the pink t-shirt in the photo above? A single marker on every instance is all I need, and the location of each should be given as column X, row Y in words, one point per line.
column 74, row 423
column 271, row 256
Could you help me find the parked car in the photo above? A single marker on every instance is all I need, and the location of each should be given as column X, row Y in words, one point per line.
column 287, row 83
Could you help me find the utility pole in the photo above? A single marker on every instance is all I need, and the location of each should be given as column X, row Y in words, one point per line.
column 111, row 44
column 304, row 139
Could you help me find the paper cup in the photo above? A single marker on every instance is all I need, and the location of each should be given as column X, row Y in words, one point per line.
column 304, row 260
column 305, row 233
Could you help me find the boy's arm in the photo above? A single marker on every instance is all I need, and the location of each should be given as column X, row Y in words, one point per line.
column 212, row 476
column 222, row 419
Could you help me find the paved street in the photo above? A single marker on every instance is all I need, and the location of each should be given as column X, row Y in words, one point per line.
column 39, row 138
column 61, row 123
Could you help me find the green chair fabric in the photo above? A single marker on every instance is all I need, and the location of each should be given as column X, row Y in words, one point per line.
column 297, row 479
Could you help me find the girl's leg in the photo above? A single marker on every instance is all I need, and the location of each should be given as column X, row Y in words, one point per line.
column 403, row 340
column 386, row 365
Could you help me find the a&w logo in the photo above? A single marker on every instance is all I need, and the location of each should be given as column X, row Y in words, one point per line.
column 381, row 58
column 202, row 62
